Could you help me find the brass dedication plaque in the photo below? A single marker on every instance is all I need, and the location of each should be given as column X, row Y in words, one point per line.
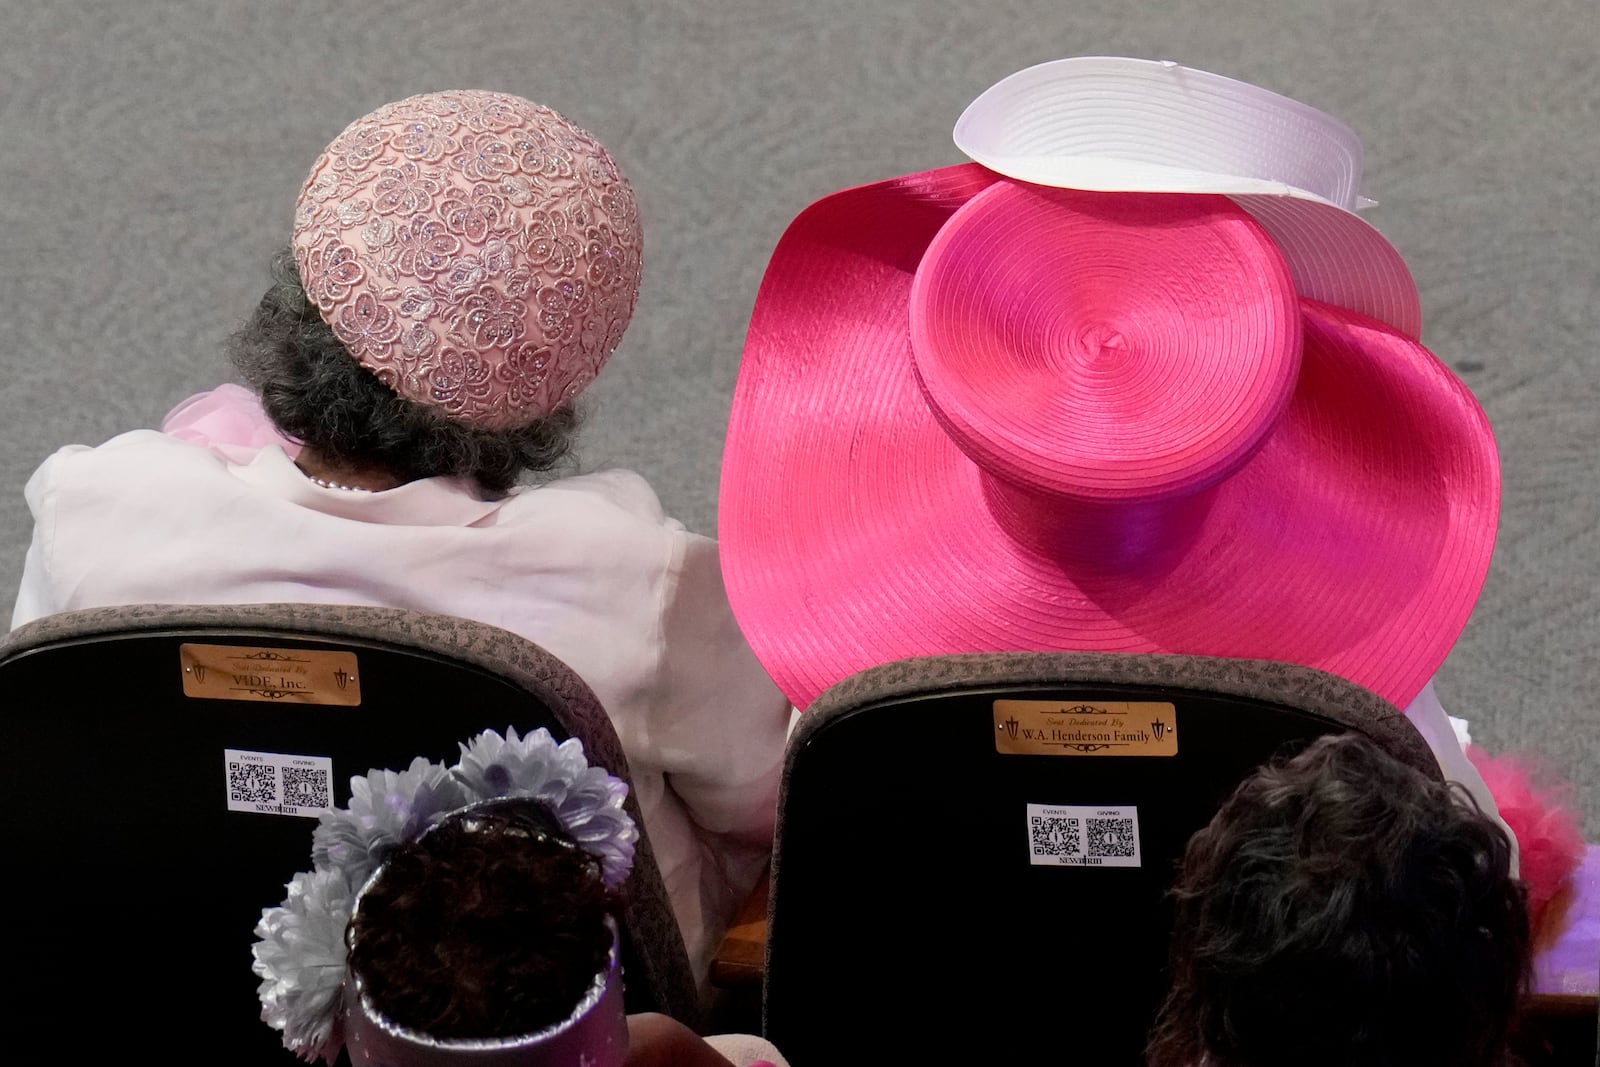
column 279, row 675
column 1063, row 728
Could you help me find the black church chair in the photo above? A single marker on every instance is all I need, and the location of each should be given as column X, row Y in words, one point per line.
column 974, row 852
column 131, row 888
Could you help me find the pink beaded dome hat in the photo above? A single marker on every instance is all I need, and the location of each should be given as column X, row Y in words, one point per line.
column 476, row 251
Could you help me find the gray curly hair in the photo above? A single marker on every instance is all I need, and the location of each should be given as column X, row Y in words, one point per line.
column 316, row 392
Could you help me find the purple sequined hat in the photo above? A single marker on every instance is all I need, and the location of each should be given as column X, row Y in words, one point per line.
column 476, row 251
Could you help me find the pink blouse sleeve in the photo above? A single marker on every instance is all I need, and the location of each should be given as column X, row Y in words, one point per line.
column 720, row 725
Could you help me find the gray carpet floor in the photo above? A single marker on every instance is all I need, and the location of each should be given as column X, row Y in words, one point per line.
column 150, row 153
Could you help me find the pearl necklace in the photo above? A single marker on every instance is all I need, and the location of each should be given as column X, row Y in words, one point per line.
column 336, row 485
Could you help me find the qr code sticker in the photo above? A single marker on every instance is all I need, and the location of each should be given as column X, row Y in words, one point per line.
column 1083, row 836
column 1055, row 837
column 1110, row 837
column 306, row 787
column 252, row 783
column 274, row 783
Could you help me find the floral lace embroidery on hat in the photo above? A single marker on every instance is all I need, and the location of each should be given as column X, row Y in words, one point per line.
column 489, row 222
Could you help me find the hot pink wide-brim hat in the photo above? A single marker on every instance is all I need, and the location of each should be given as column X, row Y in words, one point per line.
column 977, row 414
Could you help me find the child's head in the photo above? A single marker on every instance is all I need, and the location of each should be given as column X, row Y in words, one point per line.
column 1342, row 909
column 464, row 906
column 491, row 925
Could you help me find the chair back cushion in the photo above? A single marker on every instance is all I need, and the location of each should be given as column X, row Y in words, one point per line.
column 145, row 841
column 974, row 852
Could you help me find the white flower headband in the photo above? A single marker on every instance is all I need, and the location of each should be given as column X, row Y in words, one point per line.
column 300, row 956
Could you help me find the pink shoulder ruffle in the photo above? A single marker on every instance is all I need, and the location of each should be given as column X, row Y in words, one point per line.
column 229, row 421
column 1548, row 839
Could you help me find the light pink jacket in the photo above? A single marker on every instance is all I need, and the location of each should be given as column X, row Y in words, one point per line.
column 215, row 512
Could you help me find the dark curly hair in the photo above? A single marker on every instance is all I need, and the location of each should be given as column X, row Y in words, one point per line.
column 316, row 392
column 1342, row 909
column 492, row 925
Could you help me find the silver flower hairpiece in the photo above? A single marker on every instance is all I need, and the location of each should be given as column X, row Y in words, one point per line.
column 300, row 954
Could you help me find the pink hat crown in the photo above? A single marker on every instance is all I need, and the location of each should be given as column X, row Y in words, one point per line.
column 1102, row 348
column 1103, row 359
column 476, row 251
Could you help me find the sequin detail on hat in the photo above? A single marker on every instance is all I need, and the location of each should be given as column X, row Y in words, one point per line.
column 476, row 251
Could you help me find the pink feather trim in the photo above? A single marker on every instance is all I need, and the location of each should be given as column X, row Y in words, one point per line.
column 229, row 421
column 1548, row 838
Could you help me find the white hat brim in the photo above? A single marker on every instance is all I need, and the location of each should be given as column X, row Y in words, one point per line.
column 1116, row 124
